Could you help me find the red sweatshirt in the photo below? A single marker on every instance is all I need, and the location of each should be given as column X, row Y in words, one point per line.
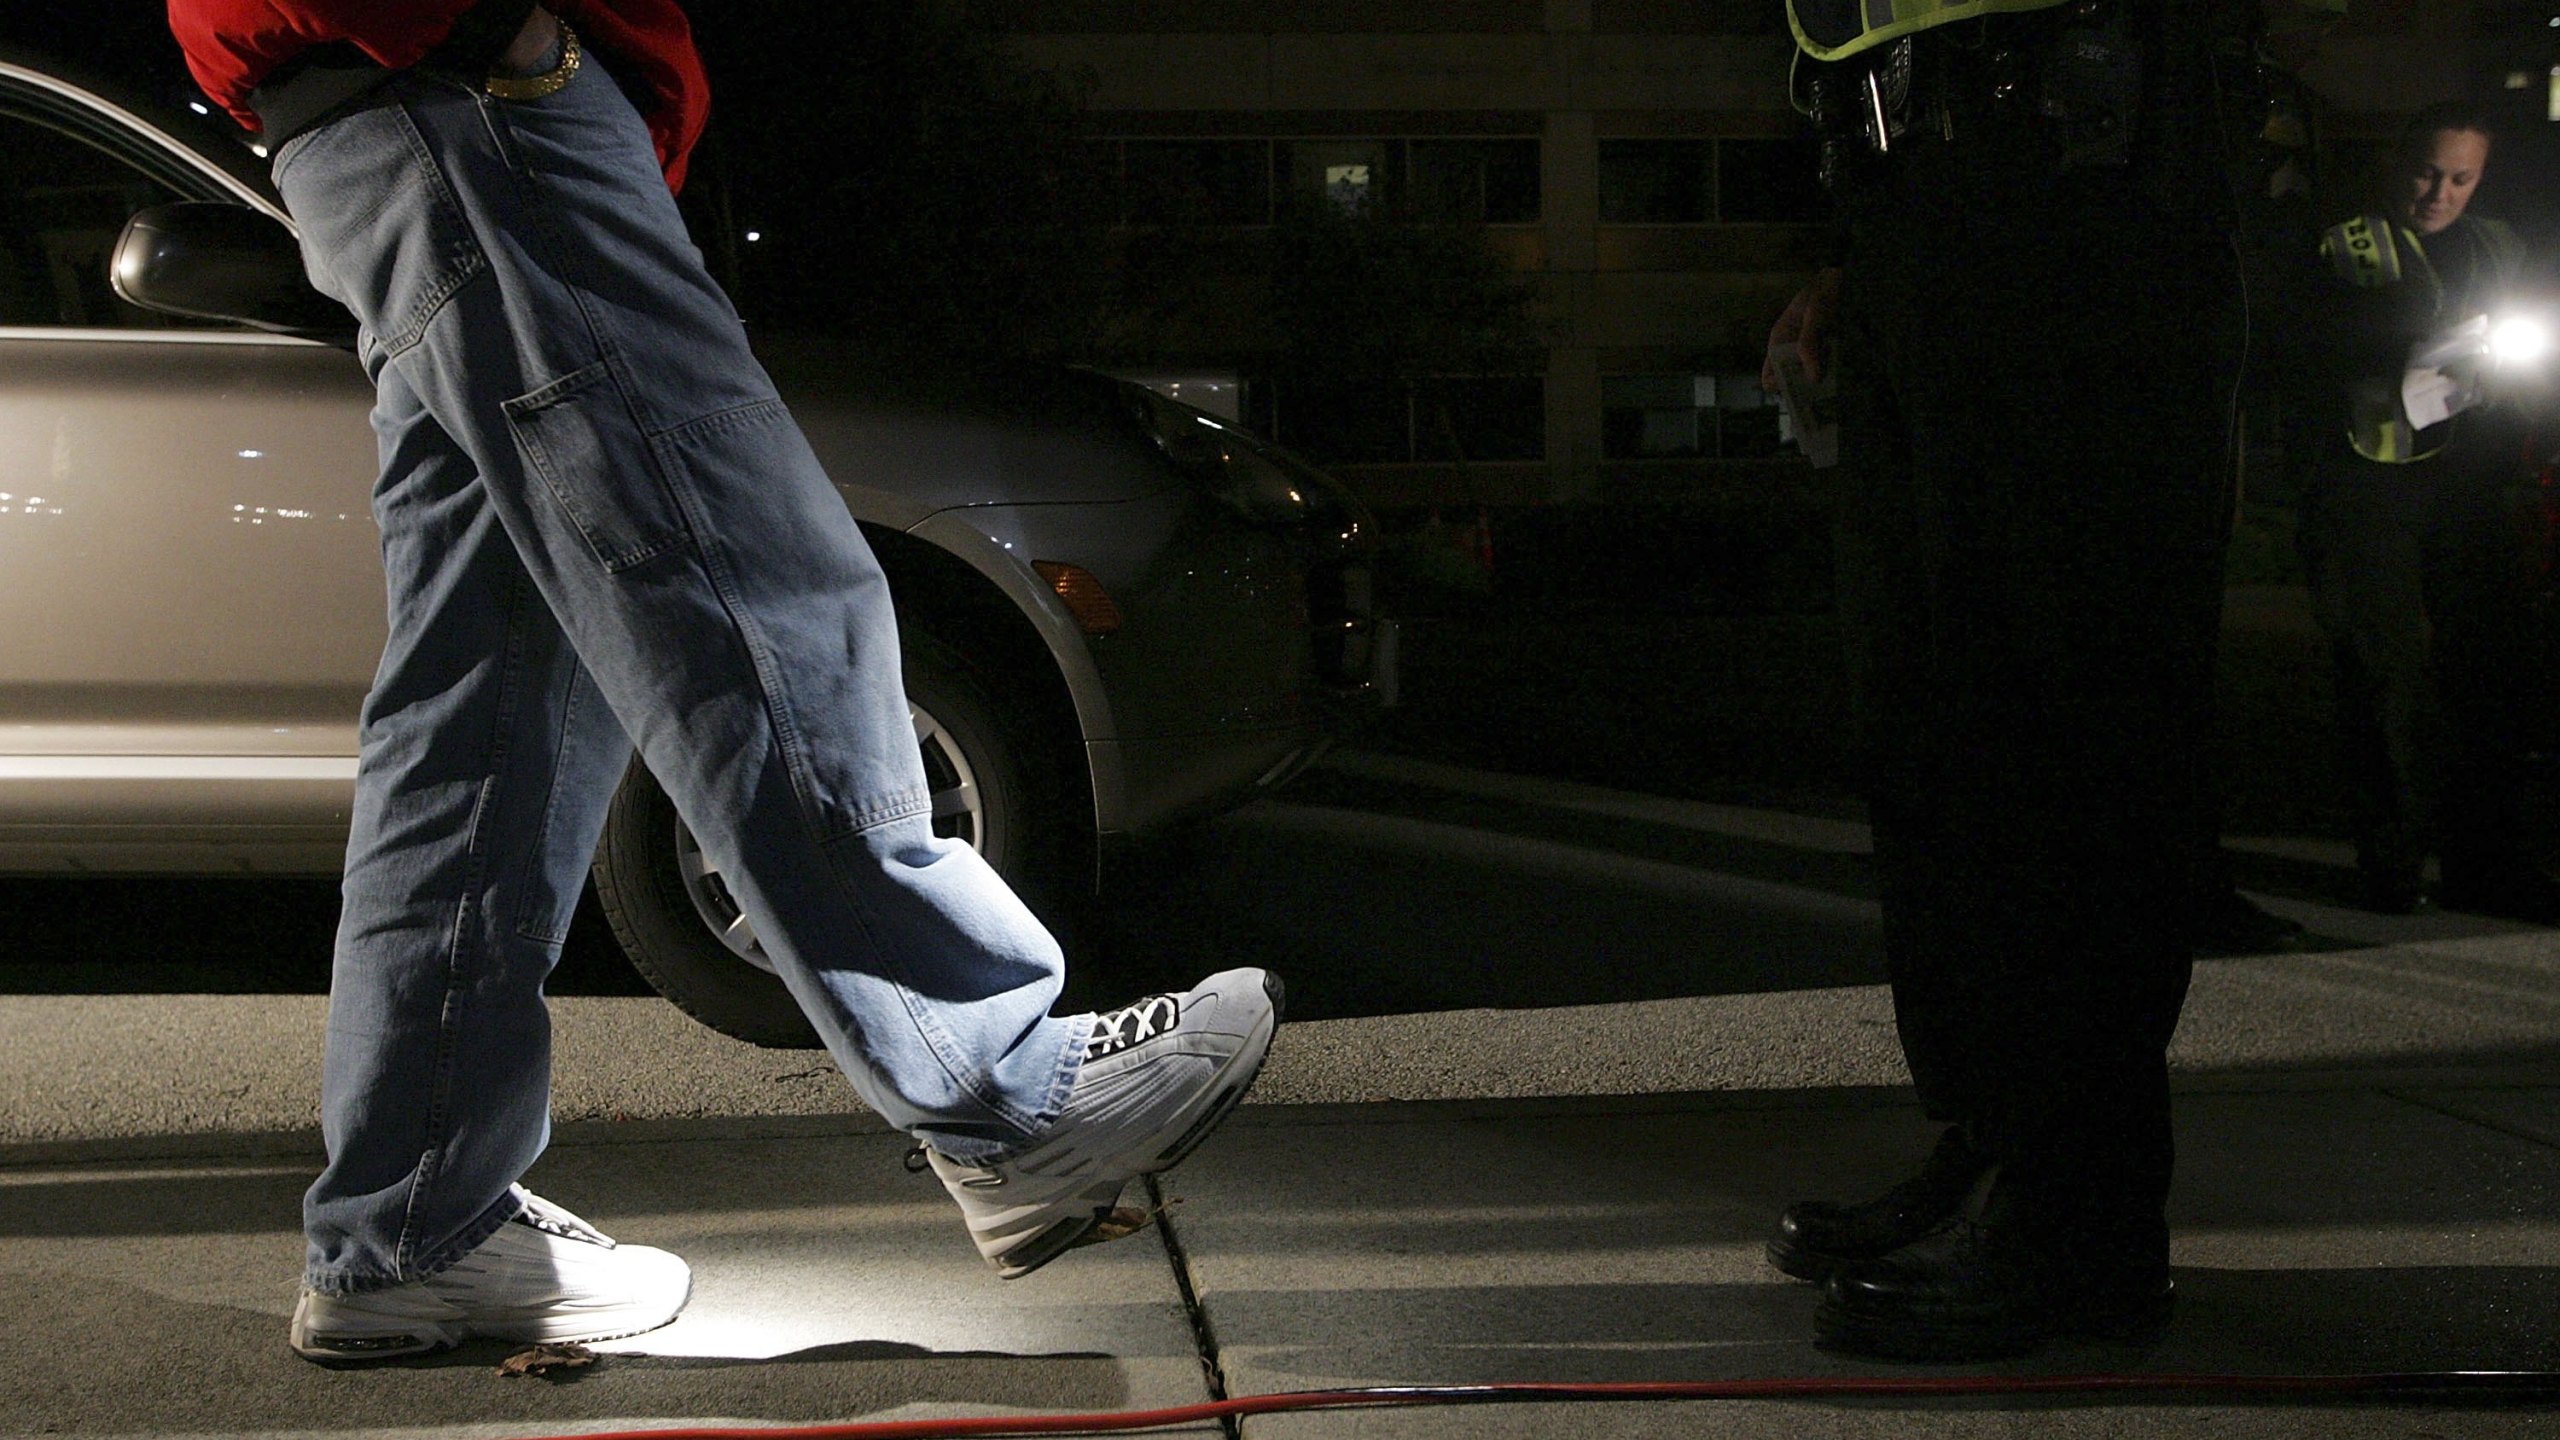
column 232, row 45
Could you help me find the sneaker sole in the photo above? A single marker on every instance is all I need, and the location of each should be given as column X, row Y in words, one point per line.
column 397, row 1339
column 1095, row 1205
column 342, row 1348
column 1059, row 1238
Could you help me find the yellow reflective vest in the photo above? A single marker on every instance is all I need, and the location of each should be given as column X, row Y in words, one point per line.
column 2369, row 252
column 1837, row 29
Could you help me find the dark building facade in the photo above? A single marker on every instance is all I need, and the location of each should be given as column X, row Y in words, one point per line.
column 1634, row 163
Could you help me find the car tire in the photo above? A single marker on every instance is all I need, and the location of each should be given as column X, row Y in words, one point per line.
column 995, row 786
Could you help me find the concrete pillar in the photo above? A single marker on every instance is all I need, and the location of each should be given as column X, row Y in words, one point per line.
column 1573, row 423
column 1570, row 177
column 1571, row 181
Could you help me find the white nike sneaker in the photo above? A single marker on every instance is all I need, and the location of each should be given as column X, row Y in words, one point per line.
column 545, row 1277
column 1157, row 1077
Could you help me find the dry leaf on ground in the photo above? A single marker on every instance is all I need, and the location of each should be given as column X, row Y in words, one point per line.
column 545, row 1359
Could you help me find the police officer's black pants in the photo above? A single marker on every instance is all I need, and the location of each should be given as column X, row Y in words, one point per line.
column 2419, row 577
column 2034, row 428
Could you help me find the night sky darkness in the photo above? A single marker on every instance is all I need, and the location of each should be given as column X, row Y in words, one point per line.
column 128, row 39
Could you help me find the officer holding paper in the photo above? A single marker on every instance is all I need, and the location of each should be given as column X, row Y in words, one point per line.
column 2409, row 529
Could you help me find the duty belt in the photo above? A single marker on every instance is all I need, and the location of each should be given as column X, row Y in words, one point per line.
column 2068, row 82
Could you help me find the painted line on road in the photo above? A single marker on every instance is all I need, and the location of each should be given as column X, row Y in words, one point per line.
column 1561, row 861
column 2456, row 934
column 1776, row 827
column 2332, row 854
column 1772, row 827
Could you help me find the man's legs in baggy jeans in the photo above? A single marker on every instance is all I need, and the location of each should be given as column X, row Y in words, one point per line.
column 591, row 502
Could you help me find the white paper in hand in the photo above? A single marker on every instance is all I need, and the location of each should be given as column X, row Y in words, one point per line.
column 1812, row 415
column 2447, row 374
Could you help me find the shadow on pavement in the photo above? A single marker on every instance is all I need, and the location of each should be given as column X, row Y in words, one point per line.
column 222, row 1369
column 152, row 1299
column 2229, row 1322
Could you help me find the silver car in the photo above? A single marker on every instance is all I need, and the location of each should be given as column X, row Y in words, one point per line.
column 1120, row 612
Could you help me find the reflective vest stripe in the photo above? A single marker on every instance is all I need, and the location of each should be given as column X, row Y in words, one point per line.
column 2378, row 432
column 1838, row 29
column 2365, row 253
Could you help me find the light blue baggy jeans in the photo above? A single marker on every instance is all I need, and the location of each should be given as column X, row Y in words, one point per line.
column 599, row 522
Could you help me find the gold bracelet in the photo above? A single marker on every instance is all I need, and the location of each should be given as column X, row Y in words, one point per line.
column 534, row 87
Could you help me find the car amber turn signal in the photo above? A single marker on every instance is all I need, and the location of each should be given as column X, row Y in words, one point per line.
column 1084, row 596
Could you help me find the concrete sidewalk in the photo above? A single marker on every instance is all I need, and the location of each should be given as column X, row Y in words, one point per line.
column 2327, row 1222
column 1428, row 1189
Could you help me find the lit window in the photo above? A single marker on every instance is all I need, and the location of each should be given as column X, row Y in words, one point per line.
column 1351, row 175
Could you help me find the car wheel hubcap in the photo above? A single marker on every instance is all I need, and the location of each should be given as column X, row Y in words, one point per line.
column 959, row 813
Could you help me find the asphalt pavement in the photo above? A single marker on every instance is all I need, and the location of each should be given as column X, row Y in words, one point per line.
column 1559, row 1055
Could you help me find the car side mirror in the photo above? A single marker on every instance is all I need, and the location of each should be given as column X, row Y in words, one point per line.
column 211, row 261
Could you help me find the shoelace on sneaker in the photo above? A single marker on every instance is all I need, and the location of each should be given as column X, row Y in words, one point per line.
column 1114, row 1031
column 1132, row 1025
column 550, row 1219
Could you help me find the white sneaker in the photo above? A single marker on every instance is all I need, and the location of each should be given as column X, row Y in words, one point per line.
column 545, row 1277
column 1157, row 1077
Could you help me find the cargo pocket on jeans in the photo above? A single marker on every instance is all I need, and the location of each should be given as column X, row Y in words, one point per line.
column 578, row 435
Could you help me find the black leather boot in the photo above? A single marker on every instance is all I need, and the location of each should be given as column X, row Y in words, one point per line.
column 1978, row 1292
column 1817, row 1237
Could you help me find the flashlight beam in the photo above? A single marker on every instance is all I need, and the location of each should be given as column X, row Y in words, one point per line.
column 2519, row 340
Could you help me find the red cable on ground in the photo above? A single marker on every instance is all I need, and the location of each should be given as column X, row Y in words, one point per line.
column 2512, row 1385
